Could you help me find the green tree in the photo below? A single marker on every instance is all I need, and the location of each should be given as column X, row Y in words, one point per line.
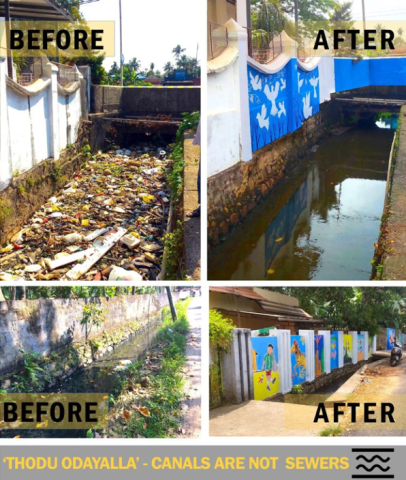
column 177, row 51
column 135, row 64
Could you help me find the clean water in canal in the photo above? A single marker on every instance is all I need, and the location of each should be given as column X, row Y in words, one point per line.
column 321, row 223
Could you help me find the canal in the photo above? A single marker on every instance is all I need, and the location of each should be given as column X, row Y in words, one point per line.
column 100, row 377
column 321, row 222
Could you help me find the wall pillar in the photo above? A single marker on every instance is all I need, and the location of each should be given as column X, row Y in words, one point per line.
column 327, row 349
column 354, row 346
column 5, row 173
column 51, row 70
column 285, row 361
column 238, row 38
column 366, row 345
column 340, row 348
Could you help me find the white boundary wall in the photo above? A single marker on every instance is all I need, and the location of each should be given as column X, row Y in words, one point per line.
column 36, row 122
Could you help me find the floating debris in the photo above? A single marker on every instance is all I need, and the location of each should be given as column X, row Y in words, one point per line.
column 108, row 223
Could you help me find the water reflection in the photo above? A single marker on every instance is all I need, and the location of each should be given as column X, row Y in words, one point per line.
column 321, row 223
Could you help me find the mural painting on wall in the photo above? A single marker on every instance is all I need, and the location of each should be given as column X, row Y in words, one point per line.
column 334, row 350
column 309, row 96
column 360, row 347
column 319, row 354
column 390, row 338
column 347, row 349
column 266, row 374
column 298, row 357
column 280, row 102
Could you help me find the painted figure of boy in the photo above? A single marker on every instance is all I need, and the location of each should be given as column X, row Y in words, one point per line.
column 268, row 365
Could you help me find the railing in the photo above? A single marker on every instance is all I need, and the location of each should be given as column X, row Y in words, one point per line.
column 217, row 40
column 261, row 49
column 30, row 70
column 66, row 73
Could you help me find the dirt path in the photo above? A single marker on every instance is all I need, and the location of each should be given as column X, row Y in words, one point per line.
column 190, row 203
column 191, row 408
column 393, row 238
column 382, row 383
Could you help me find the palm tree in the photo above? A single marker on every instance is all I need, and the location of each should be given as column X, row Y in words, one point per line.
column 183, row 62
column 168, row 68
column 135, row 64
column 177, row 51
column 151, row 67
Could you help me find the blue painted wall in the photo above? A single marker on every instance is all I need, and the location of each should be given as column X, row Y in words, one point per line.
column 280, row 102
column 370, row 72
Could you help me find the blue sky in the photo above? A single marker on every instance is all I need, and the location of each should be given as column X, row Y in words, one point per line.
column 151, row 29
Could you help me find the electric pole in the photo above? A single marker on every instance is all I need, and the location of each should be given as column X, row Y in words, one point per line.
column 121, row 48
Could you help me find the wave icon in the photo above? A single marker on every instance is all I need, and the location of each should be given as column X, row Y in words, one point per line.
column 376, row 466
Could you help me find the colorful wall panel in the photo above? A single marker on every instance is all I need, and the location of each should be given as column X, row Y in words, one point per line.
column 265, row 366
column 360, row 347
column 390, row 338
column 334, row 350
column 280, row 102
column 298, row 359
column 347, row 349
column 319, row 354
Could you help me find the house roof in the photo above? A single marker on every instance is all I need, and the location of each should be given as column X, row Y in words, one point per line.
column 275, row 309
column 279, row 318
column 246, row 292
column 36, row 10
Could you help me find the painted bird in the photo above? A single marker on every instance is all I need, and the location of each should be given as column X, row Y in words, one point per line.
column 307, row 108
column 300, row 81
column 282, row 109
column 263, row 122
column 256, row 82
column 314, row 81
column 272, row 96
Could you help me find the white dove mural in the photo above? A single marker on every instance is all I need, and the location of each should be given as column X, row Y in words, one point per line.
column 272, row 96
column 283, row 82
column 282, row 109
column 307, row 108
column 300, row 82
column 314, row 81
column 256, row 82
column 263, row 122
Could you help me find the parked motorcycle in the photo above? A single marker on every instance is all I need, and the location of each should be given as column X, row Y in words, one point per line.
column 396, row 354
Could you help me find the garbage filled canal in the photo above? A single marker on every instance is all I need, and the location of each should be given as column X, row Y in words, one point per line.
column 106, row 223
column 322, row 221
column 100, row 377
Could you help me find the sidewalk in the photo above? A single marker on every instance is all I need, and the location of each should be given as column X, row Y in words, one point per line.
column 190, row 203
column 192, row 406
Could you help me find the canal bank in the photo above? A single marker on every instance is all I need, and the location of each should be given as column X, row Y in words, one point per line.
column 390, row 254
column 321, row 221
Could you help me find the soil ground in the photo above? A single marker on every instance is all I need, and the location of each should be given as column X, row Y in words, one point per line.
column 190, row 203
column 383, row 383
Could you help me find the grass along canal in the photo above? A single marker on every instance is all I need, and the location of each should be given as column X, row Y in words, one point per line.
column 144, row 378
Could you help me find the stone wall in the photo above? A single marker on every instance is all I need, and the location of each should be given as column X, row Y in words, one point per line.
column 29, row 190
column 234, row 192
column 48, row 325
column 145, row 101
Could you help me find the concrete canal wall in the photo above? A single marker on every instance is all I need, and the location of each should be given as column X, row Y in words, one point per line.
column 45, row 326
column 142, row 101
column 262, row 117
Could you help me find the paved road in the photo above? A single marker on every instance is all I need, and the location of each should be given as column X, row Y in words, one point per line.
column 386, row 383
column 192, row 406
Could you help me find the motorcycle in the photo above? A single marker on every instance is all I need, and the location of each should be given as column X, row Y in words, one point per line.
column 396, row 354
